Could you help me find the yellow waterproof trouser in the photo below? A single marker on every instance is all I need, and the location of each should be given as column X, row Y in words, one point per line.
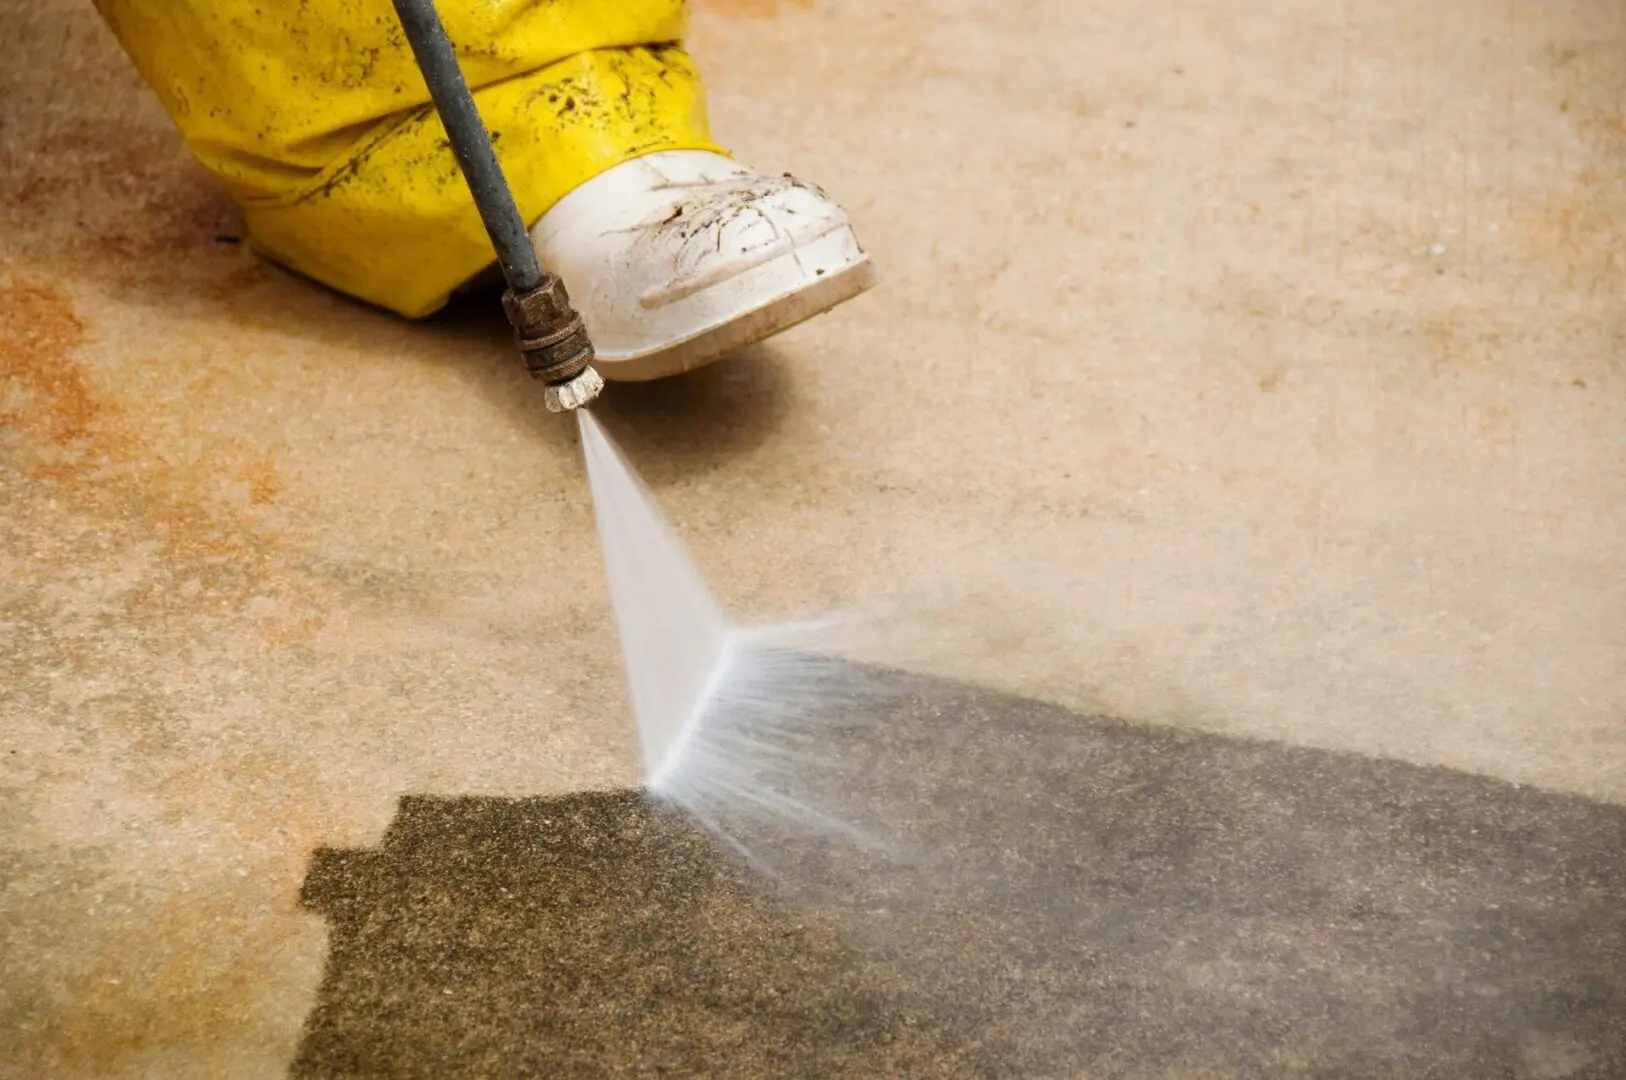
column 314, row 114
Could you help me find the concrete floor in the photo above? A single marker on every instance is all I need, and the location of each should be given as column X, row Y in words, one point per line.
column 1255, row 372
column 1136, row 902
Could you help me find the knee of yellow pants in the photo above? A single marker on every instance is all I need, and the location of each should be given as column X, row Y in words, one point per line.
column 395, row 224
column 341, row 166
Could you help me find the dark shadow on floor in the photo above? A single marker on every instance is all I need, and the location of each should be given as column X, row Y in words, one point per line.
column 677, row 428
column 1090, row 898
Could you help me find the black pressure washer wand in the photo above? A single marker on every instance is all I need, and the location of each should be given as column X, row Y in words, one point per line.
column 550, row 333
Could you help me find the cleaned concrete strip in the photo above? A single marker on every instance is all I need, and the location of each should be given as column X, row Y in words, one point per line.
column 1080, row 897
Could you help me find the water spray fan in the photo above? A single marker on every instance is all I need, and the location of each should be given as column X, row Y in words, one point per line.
column 550, row 333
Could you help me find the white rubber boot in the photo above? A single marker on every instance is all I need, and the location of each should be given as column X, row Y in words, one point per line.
column 678, row 258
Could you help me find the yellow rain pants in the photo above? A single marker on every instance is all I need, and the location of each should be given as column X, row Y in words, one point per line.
column 314, row 114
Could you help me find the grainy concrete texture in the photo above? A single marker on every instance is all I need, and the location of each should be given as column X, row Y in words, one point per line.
column 1063, row 896
column 1248, row 370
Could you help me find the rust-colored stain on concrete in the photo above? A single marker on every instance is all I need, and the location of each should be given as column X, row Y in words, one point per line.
column 142, row 204
column 191, row 992
column 1579, row 224
column 1578, row 227
column 263, row 484
column 1459, row 337
column 38, row 332
column 93, row 449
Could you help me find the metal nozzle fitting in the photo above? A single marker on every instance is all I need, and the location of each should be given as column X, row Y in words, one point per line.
column 573, row 393
column 554, row 342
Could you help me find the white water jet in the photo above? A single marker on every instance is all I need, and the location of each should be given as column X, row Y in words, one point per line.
column 732, row 720
column 674, row 639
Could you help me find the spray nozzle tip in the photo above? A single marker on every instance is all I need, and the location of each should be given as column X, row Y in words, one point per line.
column 578, row 390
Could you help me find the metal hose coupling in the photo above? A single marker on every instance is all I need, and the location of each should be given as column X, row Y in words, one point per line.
column 553, row 340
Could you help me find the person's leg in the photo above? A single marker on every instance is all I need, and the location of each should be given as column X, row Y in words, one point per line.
column 317, row 119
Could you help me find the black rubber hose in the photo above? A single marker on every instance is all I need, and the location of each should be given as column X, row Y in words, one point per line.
column 470, row 143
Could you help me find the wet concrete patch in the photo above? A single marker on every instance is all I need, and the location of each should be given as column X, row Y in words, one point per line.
column 1070, row 896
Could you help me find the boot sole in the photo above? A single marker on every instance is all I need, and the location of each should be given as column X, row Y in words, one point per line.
column 742, row 330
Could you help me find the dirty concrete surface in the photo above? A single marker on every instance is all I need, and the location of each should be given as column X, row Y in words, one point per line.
column 1254, row 373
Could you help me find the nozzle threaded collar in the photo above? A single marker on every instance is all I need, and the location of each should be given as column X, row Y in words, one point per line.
column 550, row 334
